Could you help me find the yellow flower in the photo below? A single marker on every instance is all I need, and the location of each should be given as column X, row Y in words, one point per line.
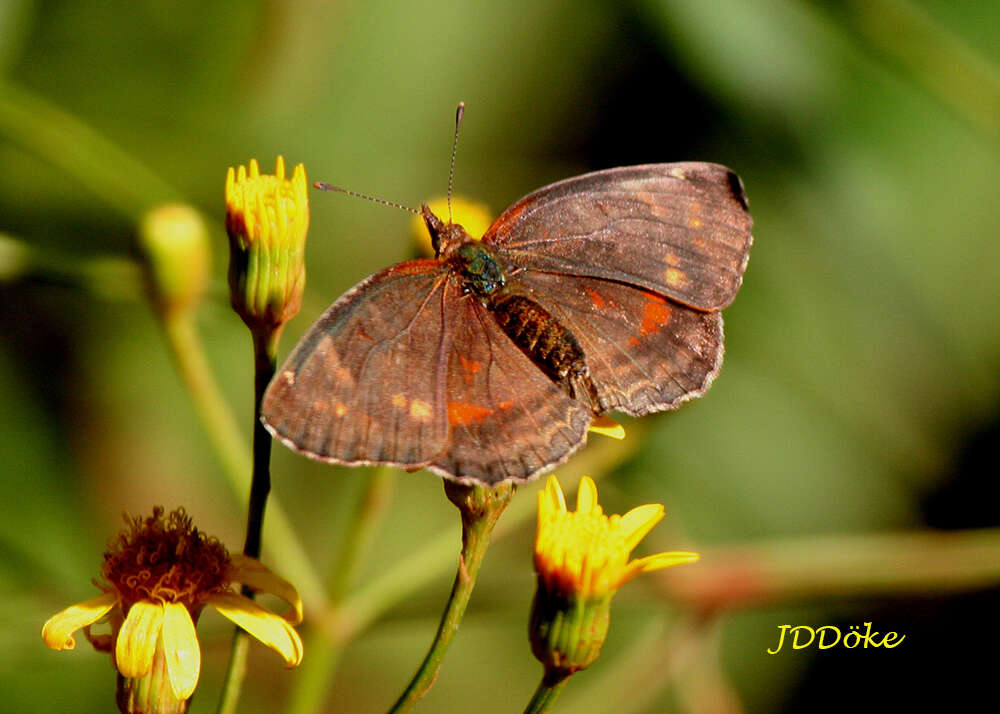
column 581, row 559
column 267, row 218
column 586, row 552
column 473, row 217
column 159, row 574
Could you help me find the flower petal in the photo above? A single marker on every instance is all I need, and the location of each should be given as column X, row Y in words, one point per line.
column 666, row 560
column 657, row 562
column 58, row 631
column 180, row 649
column 554, row 495
column 551, row 503
column 137, row 638
column 586, row 495
column 638, row 522
column 253, row 573
column 273, row 630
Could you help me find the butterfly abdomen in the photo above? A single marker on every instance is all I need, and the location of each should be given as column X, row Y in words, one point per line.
column 546, row 342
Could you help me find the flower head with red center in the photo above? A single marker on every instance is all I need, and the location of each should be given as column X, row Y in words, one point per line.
column 159, row 574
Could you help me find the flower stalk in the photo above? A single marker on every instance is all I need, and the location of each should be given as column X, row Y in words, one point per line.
column 546, row 694
column 480, row 508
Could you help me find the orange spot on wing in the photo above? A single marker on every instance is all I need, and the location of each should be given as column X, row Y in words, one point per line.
column 470, row 368
column 695, row 222
column 504, row 406
column 340, row 409
column 655, row 315
column 470, row 365
column 595, row 298
column 672, row 259
column 461, row 413
column 399, row 401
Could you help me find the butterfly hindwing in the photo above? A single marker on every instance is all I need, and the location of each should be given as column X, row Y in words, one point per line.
column 367, row 382
column 645, row 353
column 681, row 230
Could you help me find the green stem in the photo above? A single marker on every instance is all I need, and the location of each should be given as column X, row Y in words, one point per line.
column 265, row 362
column 480, row 508
column 318, row 668
column 235, row 673
column 546, row 694
column 192, row 363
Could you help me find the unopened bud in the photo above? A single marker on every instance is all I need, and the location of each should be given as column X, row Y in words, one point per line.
column 267, row 218
column 174, row 244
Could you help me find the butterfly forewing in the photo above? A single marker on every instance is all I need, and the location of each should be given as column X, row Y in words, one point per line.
column 508, row 420
column 367, row 382
column 682, row 230
column 644, row 353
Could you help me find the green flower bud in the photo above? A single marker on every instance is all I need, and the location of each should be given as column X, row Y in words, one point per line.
column 567, row 631
column 174, row 244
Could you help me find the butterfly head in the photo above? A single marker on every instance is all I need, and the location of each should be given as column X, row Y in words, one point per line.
column 445, row 237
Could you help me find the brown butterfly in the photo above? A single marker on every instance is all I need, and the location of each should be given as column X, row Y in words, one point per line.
column 488, row 362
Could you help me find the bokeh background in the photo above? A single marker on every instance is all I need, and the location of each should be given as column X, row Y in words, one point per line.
column 859, row 396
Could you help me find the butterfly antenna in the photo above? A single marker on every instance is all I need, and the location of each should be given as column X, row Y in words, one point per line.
column 337, row 189
column 454, row 150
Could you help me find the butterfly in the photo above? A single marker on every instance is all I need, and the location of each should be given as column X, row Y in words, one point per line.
column 488, row 362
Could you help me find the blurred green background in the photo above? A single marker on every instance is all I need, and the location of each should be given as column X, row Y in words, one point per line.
column 860, row 390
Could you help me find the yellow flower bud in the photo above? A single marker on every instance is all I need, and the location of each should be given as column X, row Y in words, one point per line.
column 582, row 558
column 267, row 218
